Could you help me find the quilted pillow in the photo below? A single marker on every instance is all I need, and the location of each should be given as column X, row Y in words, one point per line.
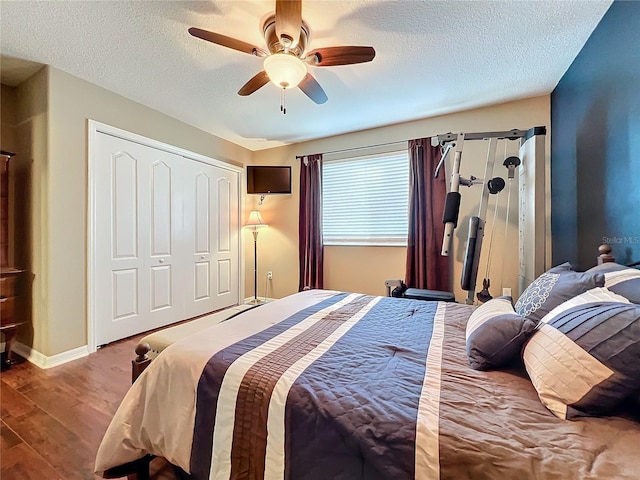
column 553, row 287
column 622, row 280
column 496, row 333
column 583, row 358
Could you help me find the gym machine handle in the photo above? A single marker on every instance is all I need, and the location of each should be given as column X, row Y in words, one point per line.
column 450, row 219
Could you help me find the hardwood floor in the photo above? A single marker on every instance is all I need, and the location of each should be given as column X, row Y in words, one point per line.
column 52, row 421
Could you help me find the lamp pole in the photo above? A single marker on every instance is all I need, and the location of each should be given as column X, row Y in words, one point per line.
column 255, row 221
column 255, row 264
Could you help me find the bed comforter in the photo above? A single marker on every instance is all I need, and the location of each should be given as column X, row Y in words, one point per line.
column 334, row 385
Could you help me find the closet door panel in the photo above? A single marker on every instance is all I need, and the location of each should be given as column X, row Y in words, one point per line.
column 161, row 289
column 198, row 230
column 201, row 282
column 226, row 247
column 224, row 277
column 124, row 180
column 165, row 211
column 135, row 215
column 223, row 215
column 162, row 206
column 202, row 213
column 201, row 259
column 125, row 293
column 125, row 260
column 161, row 195
column 211, row 211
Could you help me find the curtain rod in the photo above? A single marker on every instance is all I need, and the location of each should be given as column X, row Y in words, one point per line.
column 356, row 148
column 448, row 137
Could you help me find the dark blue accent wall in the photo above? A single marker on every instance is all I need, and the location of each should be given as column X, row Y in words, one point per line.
column 595, row 144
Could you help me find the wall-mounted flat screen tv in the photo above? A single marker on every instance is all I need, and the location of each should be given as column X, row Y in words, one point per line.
column 264, row 179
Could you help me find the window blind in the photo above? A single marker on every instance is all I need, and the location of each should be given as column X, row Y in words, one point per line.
column 365, row 200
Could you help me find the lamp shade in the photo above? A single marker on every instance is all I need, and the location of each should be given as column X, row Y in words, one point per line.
column 255, row 220
column 285, row 70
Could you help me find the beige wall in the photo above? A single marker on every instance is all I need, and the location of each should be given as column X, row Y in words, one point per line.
column 72, row 102
column 364, row 269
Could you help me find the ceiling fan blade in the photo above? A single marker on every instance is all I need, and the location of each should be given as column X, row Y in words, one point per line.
column 225, row 41
column 258, row 81
column 312, row 89
column 288, row 21
column 330, row 56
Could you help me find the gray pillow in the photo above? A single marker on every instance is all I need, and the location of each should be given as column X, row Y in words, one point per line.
column 619, row 279
column 554, row 287
column 607, row 267
column 495, row 334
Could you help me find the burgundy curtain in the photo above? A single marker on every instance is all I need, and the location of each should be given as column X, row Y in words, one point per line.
column 311, row 249
column 426, row 268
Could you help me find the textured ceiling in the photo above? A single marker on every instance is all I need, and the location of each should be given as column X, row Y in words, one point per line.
column 431, row 58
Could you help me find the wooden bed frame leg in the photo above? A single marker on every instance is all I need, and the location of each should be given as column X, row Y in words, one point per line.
column 136, row 470
column 142, row 469
column 141, row 362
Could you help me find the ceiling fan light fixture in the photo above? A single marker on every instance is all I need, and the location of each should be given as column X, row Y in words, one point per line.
column 285, row 70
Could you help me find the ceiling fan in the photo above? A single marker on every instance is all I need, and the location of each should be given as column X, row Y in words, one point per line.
column 286, row 60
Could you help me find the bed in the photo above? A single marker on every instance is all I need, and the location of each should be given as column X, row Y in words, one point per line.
column 325, row 384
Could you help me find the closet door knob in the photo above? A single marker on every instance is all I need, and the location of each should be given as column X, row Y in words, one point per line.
column 201, row 257
column 161, row 260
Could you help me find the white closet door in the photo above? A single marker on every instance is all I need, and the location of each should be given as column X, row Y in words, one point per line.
column 211, row 213
column 226, row 252
column 138, row 213
column 164, row 239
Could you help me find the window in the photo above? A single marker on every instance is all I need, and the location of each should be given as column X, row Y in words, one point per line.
column 365, row 200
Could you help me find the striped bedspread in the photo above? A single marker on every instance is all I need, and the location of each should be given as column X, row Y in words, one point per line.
column 333, row 385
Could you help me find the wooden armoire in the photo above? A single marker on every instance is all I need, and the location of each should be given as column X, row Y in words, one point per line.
column 9, row 274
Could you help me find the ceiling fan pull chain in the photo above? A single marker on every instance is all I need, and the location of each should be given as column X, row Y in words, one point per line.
column 283, row 106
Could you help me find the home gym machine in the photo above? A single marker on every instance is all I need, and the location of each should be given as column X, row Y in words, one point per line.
column 533, row 216
column 532, row 210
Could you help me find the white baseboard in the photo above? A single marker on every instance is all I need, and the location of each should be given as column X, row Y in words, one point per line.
column 43, row 361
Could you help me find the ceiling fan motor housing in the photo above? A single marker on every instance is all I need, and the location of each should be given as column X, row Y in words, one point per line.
column 273, row 42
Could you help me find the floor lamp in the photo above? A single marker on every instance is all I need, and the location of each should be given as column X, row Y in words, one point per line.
column 255, row 221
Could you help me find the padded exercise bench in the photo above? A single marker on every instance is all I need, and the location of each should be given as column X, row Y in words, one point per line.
column 400, row 291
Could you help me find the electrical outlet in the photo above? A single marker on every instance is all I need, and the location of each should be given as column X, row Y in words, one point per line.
column 269, row 275
column 506, row 292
